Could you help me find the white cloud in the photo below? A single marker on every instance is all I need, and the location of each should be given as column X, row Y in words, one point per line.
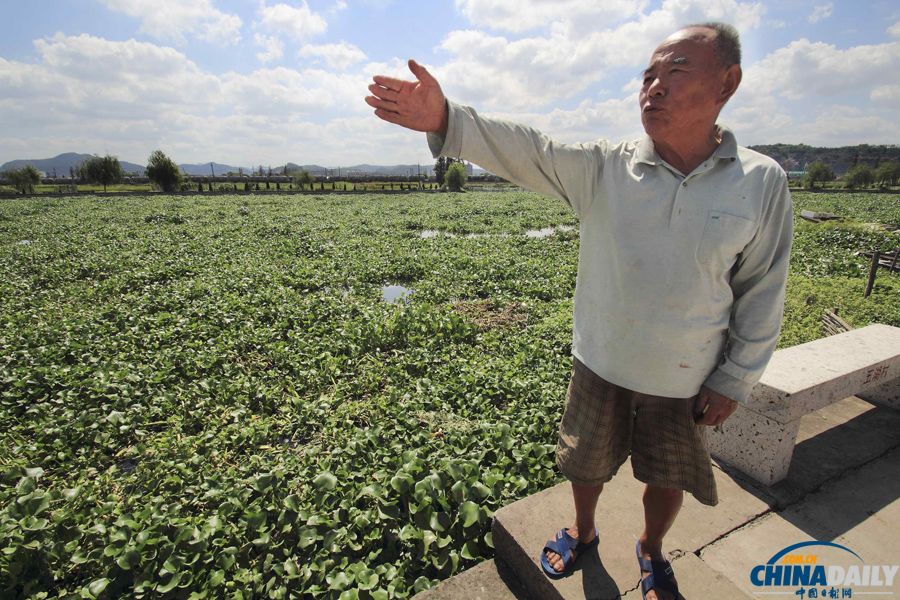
column 633, row 86
column 300, row 22
column 886, row 94
column 571, row 56
column 820, row 12
column 174, row 19
column 338, row 56
column 280, row 90
column 758, row 120
column 523, row 15
column 615, row 119
column 566, row 76
column 88, row 94
column 810, row 69
column 840, row 125
column 803, row 93
column 273, row 48
column 104, row 75
column 104, row 96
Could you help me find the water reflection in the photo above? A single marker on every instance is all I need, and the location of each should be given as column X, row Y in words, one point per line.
column 395, row 293
column 547, row 231
column 532, row 233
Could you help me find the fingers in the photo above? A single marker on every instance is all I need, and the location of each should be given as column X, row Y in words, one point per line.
column 712, row 408
column 701, row 406
column 390, row 83
column 389, row 116
column 381, row 104
column 384, row 93
column 726, row 412
column 421, row 73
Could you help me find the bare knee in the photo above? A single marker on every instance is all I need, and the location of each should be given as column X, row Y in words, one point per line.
column 661, row 492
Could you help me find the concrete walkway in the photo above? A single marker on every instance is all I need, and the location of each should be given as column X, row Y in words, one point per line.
column 843, row 487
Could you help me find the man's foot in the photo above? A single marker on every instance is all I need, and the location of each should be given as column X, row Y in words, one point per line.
column 657, row 578
column 556, row 560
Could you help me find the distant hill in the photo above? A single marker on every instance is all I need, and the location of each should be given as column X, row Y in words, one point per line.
column 317, row 170
column 62, row 163
column 401, row 170
column 394, row 170
column 203, row 169
column 795, row 157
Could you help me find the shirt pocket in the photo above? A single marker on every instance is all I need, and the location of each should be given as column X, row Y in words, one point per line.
column 724, row 237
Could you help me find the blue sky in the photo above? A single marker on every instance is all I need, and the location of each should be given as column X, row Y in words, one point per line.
column 266, row 82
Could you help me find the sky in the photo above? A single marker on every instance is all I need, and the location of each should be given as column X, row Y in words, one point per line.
column 265, row 82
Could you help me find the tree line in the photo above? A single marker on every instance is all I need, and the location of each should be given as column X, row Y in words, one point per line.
column 452, row 172
column 858, row 176
column 164, row 174
column 793, row 157
column 105, row 170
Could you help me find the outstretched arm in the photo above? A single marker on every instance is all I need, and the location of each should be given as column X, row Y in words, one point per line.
column 518, row 153
column 418, row 105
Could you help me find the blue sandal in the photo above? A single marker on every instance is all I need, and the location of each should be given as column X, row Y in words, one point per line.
column 660, row 576
column 564, row 545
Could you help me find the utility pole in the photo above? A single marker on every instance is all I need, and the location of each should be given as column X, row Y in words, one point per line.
column 212, row 170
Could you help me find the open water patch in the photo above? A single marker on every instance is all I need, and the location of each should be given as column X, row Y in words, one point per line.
column 434, row 233
column 428, row 234
column 126, row 466
column 548, row 231
column 395, row 293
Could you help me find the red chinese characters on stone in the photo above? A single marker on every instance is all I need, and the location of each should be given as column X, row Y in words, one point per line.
column 876, row 374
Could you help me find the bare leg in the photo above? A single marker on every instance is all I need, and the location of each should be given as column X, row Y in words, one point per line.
column 585, row 506
column 661, row 506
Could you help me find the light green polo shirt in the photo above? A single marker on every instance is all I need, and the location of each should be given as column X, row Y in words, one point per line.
column 681, row 279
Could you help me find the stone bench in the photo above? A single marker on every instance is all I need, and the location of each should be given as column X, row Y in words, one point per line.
column 758, row 439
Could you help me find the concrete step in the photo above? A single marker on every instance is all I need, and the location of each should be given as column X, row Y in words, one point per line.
column 489, row 580
column 849, row 434
column 521, row 529
column 860, row 511
column 842, row 486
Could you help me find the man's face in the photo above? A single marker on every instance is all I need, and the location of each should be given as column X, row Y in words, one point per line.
column 681, row 88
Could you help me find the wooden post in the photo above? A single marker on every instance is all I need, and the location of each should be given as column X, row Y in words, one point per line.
column 894, row 262
column 876, row 256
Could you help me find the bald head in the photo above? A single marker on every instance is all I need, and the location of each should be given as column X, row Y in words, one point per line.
column 726, row 43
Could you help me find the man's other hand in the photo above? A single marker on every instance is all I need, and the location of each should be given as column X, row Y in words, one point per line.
column 418, row 105
column 712, row 408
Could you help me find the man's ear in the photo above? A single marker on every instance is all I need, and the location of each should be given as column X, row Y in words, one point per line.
column 730, row 82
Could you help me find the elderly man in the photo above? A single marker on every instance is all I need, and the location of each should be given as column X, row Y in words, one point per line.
column 685, row 240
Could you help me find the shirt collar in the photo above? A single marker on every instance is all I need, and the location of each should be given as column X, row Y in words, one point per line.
column 646, row 152
column 728, row 147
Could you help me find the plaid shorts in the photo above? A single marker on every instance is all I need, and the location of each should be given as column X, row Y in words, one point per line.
column 603, row 423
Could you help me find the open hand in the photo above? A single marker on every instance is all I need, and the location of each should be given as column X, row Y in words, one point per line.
column 418, row 105
column 712, row 408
